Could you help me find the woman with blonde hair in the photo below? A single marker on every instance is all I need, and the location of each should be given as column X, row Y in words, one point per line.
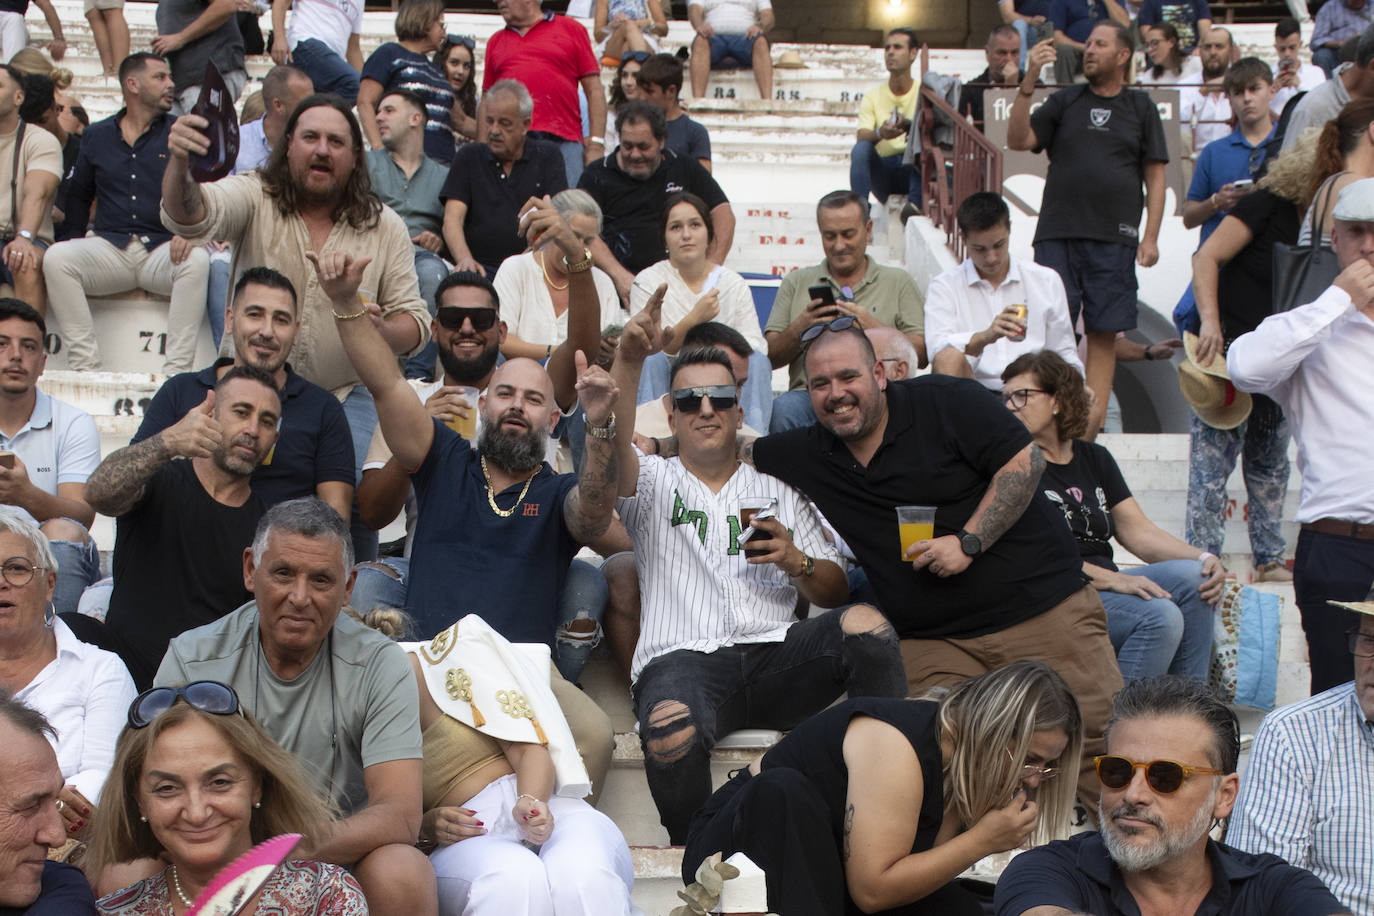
column 879, row 804
column 197, row 783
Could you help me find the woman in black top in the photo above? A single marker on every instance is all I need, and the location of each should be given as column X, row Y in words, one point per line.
column 877, row 805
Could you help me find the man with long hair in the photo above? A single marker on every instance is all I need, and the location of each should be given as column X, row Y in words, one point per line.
column 314, row 194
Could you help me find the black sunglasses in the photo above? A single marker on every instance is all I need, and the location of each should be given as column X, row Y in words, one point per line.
column 1163, row 776
column 638, row 57
column 842, row 323
column 451, row 317
column 207, row 696
column 466, row 41
column 688, row 400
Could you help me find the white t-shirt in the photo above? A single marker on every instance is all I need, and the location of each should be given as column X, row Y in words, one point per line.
column 696, row 589
column 330, row 21
column 527, row 308
column 731, row 17
column 736, row 302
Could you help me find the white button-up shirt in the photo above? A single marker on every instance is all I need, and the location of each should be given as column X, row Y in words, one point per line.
column 85, row 693
column 959, row 304
column 1308, row 794
column 1315, row 361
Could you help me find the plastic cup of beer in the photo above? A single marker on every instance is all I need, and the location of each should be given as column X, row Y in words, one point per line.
column 1021, row 313
column 466, row 426
column 749, row 506
column 914, row 523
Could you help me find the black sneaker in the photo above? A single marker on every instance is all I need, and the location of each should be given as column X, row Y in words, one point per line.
column 908, row 211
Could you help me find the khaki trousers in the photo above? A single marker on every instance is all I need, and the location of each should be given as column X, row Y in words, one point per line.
column 1070, row 637
column 92, row 266
column 591, row 730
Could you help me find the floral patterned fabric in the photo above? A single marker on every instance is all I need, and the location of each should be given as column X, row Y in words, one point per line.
column 297, row 889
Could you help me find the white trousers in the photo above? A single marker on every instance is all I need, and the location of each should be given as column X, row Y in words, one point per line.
column 583, row 870
column 14, row 35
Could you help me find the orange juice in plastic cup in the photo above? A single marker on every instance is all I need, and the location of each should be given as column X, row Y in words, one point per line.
column 914, row 523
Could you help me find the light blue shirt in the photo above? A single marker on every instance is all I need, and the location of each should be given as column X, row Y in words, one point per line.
column 253, row 148
column 1308, row 794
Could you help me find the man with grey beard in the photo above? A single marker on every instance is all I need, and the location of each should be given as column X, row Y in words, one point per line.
column 1168, row 776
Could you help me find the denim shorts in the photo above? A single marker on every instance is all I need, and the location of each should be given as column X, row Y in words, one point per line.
column 740, row 47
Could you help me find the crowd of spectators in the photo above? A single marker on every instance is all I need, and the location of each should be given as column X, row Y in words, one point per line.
column 424, row 296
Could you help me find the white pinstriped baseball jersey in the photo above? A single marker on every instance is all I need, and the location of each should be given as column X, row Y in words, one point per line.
column 696, row 589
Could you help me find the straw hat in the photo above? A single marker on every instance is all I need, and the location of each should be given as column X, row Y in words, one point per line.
column 789, row 60
column 1208, row 389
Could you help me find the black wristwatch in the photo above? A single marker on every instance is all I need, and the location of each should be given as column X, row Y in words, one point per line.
column 969, row 543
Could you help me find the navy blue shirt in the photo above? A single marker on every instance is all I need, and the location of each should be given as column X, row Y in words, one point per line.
column 467, row 559
column 64, row 892
column 314, row 445
column 1078, row 875
column 126, row 182
column 1076, row 18
column 1182, row 14
column 494, row 198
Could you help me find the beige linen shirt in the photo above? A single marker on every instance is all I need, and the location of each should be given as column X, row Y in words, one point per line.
column 239, row 211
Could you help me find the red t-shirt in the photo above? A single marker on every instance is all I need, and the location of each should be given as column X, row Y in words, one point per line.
column 549, row 59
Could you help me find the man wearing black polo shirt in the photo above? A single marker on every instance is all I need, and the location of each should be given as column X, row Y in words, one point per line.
column 1001, row 581
column 490, row 183
column 630, row 187
column 314, row 451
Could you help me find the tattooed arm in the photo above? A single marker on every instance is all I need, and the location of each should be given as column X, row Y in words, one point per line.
column 1008, row 495
column 588, row 508
column 118, row 483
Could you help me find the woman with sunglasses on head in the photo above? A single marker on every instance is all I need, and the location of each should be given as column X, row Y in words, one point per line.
column 533, row 285
column 198, row 784
column 877, row 805
column 457, row 60
column 82, row 690
column 625, row 88
column 627, row 25
column 1159, row 617
column 698, row 290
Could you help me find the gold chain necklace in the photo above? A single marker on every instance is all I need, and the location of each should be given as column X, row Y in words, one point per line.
column 552, row 285
column 491, row 494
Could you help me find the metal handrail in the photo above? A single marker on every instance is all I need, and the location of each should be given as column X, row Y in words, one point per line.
column 976, row 166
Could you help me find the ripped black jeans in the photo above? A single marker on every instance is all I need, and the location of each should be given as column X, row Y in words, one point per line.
column 686, row 700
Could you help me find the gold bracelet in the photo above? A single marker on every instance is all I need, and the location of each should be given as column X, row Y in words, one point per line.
column 359, row 314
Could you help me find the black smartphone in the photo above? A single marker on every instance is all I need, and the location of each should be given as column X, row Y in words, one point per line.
column 823, row 292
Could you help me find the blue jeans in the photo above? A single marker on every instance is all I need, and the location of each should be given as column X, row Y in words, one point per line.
column 1328, row 59
column 882, row 175
column 361, row 412
column 790, row 410
column 1162, row 635
column 217, row 295
column 430, row 271
column 327, row 70
column 584, row 597
column 572, row 160
column 755, row 685
column 1262, row 444
column 756, row 397
column 78, row 566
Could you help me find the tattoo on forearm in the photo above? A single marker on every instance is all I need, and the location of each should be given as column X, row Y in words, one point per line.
column 1012, row 490
column 118, row 483
column 746, row 451
column 848, row 828
column 590, row 504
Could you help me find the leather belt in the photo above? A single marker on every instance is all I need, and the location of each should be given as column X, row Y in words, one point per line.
column 1341, row 527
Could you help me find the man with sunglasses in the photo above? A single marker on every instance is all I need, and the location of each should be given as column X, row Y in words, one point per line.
column 1169, row 775
column 1308, row 795
column 720, row 647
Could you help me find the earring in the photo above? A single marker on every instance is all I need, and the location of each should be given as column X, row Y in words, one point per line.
column 257, row 804
column 143, row 818
column 50, row 615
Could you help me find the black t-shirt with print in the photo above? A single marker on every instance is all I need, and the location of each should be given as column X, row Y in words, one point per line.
column 1085, row 490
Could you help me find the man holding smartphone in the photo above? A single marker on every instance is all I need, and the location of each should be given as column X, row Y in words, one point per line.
column 847, row 282
column 1292, row 76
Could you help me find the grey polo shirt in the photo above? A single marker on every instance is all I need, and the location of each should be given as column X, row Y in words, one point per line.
column 415, row 199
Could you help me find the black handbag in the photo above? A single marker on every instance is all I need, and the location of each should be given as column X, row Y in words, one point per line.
column 1303, row 272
